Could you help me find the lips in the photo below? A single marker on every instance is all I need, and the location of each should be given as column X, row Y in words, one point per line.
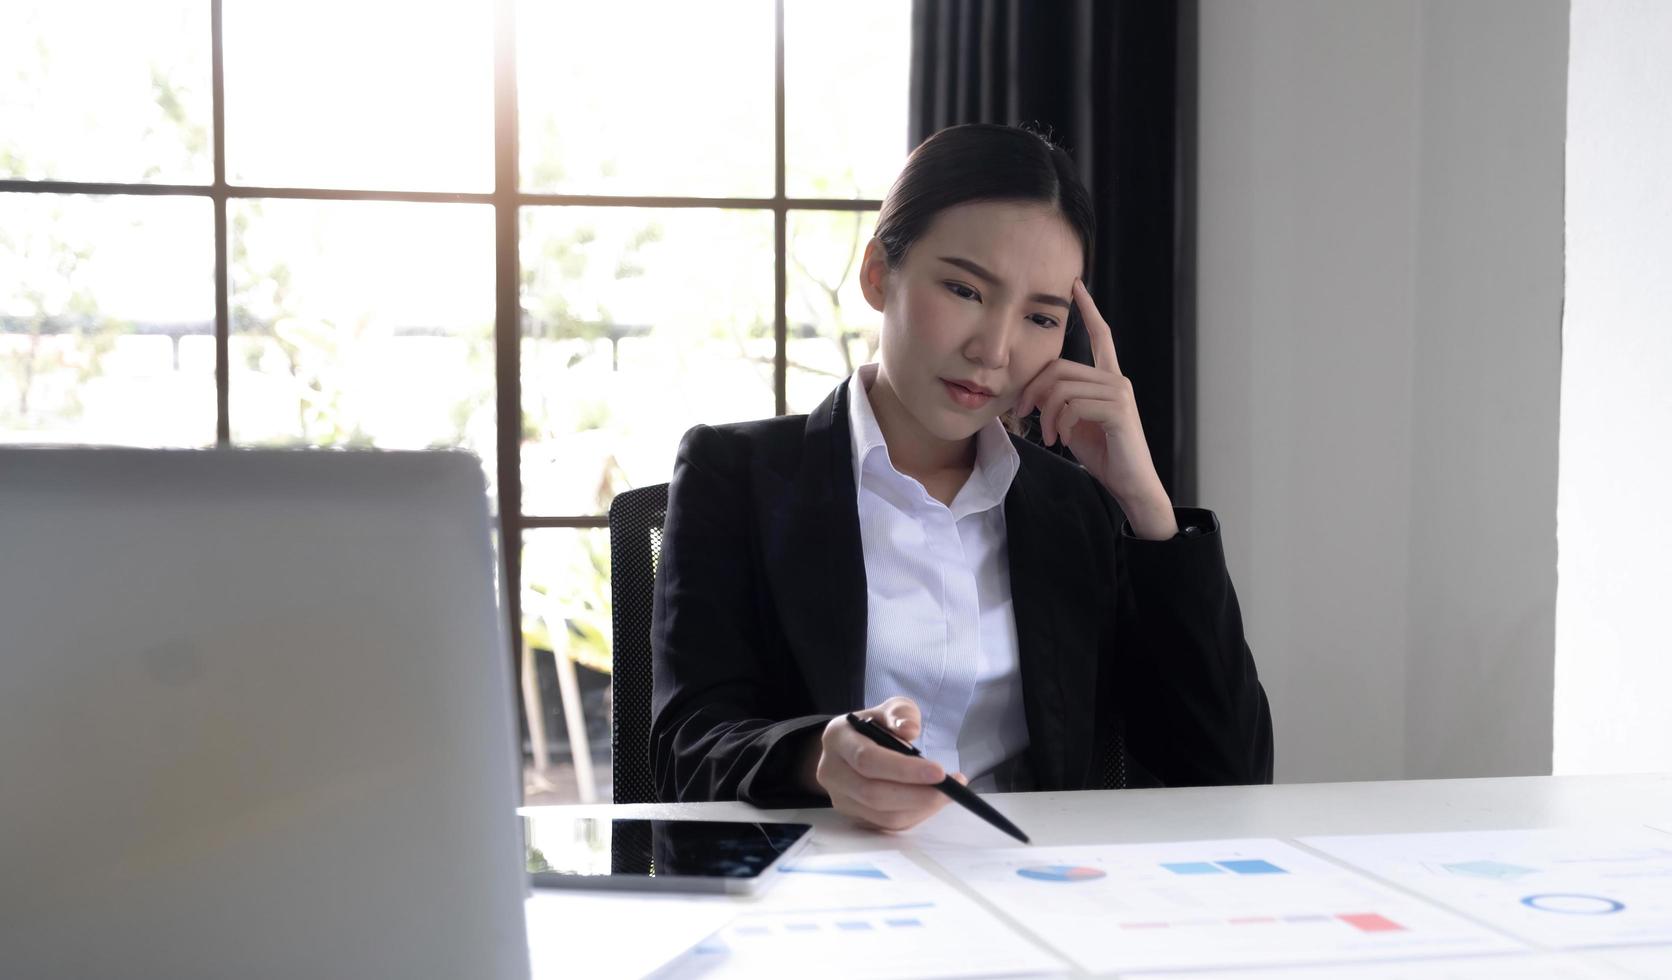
column 966, row 394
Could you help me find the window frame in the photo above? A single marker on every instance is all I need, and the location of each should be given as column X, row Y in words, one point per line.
column 508, row 201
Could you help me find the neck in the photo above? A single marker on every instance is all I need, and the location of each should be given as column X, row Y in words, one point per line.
column 914, row 450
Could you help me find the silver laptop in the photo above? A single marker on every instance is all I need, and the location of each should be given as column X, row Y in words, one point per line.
column 255, row 718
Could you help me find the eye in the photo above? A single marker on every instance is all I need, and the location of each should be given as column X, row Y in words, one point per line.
column 1043, row 321
column 962, row 291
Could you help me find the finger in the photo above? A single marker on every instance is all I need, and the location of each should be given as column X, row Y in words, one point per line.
column 1077, row 410
column 1053, row 373
column 1050, row 407
column 860, row 813
column 873, row 761
column 1064, row 391
column 1028, row 400
column 1102, row 338
column 884, row 796
column 882, row 819
column 899, row 716
column 879, row 803
column 902, row 718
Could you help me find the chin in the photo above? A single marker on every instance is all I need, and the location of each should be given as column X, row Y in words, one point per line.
column 954, row 426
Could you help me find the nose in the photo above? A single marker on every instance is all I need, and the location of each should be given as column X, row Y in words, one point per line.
column 989, row 346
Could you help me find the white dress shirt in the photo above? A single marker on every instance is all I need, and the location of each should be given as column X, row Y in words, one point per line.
column 940, row 628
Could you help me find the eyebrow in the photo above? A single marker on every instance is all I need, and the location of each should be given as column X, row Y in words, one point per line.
column 979, row 272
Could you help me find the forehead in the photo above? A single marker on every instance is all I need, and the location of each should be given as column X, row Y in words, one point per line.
column 1021, row 242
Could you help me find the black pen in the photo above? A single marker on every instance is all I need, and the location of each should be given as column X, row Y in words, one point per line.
column 951, row 787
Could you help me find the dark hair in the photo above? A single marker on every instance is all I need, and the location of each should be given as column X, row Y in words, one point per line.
column 982, row 162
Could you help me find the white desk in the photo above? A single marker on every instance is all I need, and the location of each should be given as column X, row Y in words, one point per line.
column 1283, row 811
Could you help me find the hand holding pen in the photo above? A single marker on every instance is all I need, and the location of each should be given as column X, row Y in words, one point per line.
column 878, row 788
column 900, row 722
column 956, row 789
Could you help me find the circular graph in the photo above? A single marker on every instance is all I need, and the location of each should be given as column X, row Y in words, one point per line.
column 1573, row 904
column 1060, row 872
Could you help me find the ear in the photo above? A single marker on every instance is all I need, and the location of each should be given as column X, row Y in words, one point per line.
column 873, row 274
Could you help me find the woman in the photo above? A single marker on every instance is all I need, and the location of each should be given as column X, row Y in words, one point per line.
column 1030, row 623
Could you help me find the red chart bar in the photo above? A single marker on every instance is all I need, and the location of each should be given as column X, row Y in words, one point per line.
column 1371, row 922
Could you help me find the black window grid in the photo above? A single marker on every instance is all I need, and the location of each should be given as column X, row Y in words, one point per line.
column 507, row 200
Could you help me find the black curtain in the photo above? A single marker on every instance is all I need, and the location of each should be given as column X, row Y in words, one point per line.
column 1112, row 81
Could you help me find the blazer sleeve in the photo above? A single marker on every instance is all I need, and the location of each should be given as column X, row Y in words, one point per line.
column 713, row 733
column 1195, row 713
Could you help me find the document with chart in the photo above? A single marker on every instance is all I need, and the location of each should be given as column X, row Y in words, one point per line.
column 872, row 915
column 1209, row 904
column 1560, row 889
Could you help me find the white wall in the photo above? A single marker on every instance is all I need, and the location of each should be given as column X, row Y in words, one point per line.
column 1614, row 644
column 1379, row 312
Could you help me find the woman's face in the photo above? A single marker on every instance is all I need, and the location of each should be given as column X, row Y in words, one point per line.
column 975, row 310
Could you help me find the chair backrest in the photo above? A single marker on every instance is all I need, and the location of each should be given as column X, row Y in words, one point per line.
column 635, row 543
column 1112, row 771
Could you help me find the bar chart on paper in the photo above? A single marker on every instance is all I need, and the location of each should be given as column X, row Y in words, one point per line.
column 1209, row 904
column 871, row 915
column 1564, row 889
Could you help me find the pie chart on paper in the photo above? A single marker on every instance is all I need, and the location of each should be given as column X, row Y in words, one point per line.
column 1060, row 872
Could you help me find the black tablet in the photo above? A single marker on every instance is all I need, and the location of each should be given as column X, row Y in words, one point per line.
column 657, row 855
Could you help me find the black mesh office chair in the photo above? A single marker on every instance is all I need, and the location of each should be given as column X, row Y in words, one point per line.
column 635, row 543
column 1111, row 765
column 636, row 518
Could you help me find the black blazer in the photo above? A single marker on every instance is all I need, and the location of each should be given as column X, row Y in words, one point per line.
column 758, row 633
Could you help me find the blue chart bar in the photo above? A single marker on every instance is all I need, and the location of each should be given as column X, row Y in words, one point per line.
column 1194, row 868
column 1248, row 867
column 840, row 871
column 1253, row 867
column 840, row 925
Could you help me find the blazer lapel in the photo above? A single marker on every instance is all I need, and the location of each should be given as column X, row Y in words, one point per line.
column 1056, row 625
column 815, row 561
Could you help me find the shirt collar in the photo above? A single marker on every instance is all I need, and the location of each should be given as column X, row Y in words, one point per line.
column 996, row 460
